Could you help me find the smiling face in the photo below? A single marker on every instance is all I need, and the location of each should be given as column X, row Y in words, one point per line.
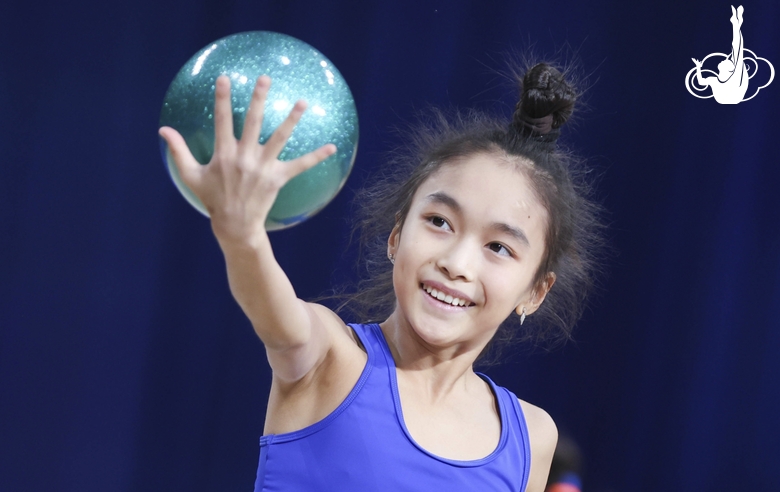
column 467, row 252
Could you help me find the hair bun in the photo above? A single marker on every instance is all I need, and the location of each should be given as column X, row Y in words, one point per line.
column 546, row 101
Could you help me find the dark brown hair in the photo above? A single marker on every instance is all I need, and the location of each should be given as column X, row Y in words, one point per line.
column 574, row 230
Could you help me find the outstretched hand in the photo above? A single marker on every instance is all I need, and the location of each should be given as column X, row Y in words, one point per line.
column 240, row 183
column 696, row 62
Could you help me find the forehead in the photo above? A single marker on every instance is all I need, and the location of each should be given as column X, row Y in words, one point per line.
column 501, row 180
column 490, row 188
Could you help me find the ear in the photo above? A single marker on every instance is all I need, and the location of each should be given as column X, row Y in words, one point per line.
column 537, row 295
column 394, row 239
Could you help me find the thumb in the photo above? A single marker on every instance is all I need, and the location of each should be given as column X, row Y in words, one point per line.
column 189, row 169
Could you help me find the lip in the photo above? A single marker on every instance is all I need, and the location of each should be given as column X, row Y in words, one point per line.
column 447, row 290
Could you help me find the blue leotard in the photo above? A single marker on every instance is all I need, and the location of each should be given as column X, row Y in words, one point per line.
column 363, row 445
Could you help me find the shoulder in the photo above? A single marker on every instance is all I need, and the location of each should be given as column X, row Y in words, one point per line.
column 543, row 437
column 540, row 424
column 330, row 347
column 311, row 381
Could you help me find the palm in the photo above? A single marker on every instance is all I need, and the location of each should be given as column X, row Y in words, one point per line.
column 240, row 183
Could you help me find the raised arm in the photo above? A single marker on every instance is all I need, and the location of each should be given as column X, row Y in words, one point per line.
column 238, row 188
column 701, row 80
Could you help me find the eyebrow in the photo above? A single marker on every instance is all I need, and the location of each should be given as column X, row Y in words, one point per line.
column 448, row 201
column 444, row 199
column 512, row 231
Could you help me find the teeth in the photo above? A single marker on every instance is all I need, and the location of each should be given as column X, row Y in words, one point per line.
column 444, row 297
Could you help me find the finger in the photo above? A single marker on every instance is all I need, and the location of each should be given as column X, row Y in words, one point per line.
column 308, row 161
column 189, row 169
column 277, row 141
column 254, row 117
column 223, row 114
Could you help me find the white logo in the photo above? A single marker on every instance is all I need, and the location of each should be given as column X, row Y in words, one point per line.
column 730, row 84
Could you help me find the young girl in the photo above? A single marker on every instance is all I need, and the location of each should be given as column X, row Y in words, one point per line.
column 489, row 223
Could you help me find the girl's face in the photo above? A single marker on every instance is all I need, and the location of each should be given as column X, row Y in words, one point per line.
column 474, row 235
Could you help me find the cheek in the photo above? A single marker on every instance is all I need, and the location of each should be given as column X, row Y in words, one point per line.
column 403, row 273
column 511, row 285
column 414, row 249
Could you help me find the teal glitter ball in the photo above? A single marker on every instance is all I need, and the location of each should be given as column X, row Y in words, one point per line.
column 297, row 71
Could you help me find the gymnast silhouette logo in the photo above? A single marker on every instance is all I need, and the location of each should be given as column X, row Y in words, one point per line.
column 730, row 84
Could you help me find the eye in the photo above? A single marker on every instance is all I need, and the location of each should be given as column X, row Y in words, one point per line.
column 439, row 222
column 500, row 249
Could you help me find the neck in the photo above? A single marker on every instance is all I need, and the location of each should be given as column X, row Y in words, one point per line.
column 437, row 371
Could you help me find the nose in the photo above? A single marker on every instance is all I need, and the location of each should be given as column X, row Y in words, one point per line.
column 459, row 260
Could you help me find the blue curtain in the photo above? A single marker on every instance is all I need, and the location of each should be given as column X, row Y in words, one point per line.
column 125, row 364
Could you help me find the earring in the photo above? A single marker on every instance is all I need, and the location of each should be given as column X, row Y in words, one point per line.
column 391, row 258
column 522, row 316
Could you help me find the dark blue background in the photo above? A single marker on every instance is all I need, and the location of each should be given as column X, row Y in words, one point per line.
column 125, row 365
